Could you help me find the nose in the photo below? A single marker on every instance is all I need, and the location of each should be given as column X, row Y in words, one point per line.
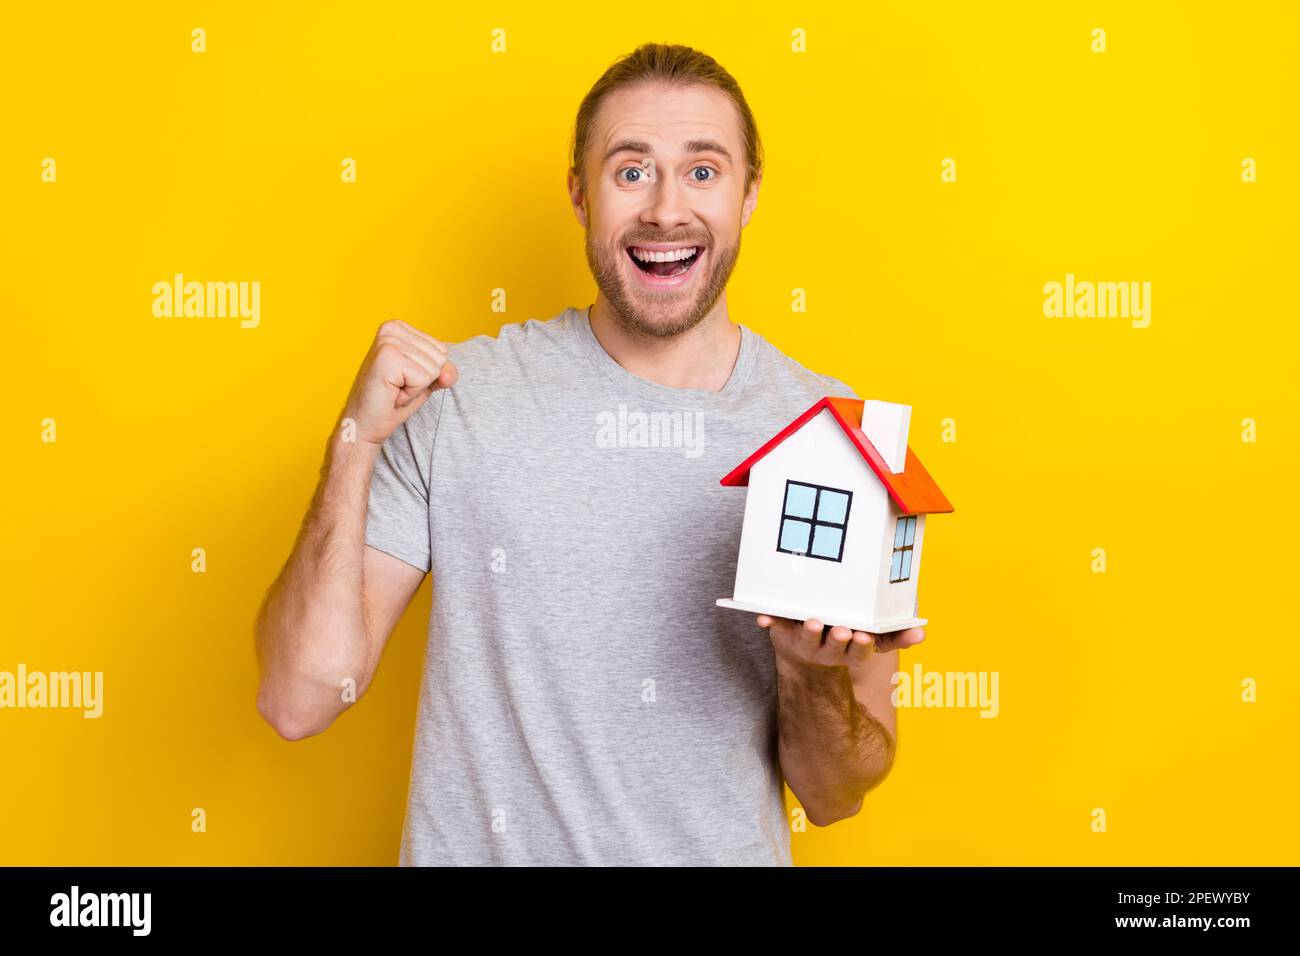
column 668, row 206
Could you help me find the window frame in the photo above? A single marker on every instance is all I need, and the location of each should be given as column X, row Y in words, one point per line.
column 900, row 548
column 813, row 521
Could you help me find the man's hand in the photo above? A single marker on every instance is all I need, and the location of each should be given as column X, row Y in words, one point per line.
column 838, row 728
column 402, row 369
column 812, row 643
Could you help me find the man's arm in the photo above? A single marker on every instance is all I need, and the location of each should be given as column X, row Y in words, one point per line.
column 837, row 722
column 329, row 613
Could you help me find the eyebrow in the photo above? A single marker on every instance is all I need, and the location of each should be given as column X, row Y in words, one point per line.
column 691, row 146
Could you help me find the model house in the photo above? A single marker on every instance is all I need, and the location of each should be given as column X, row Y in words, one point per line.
column 835, row 518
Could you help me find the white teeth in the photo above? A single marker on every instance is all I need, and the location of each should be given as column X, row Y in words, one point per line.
column 671, row 256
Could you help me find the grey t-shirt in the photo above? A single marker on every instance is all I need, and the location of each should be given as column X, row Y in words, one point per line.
column 584, row 701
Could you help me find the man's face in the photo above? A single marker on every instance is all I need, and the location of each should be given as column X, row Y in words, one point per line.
column 665, row 175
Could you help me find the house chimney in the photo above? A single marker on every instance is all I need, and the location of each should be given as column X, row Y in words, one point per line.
column 886, row 425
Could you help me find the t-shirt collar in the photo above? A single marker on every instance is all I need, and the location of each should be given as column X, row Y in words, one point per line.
column 581, row 319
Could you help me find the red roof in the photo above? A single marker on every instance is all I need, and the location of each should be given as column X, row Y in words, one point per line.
column 912, row 489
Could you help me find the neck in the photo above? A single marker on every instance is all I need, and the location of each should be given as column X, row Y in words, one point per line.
column 702, row 357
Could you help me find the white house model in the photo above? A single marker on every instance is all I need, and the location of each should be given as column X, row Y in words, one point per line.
column 835, row 519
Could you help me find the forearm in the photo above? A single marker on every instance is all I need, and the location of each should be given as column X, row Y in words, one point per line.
column 311, row 631
column 832, row 751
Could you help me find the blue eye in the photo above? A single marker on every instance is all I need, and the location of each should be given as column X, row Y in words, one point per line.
column 706, row 169
column 632, row 169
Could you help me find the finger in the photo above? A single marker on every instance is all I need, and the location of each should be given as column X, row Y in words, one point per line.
column 837, row 641
column 441, row 371
column 405, row 330
column 861, row 647
column 413, row 342
column 408, row 404
column 403, row 371
column 411, row 394
column 425, row 343
column 421, row 351
column 814, row 626
column 807, row 637
column 779, row 624
column 448, row 377
column 402, row 366
column 409, row 375
column 428, row 339
column 898, row 640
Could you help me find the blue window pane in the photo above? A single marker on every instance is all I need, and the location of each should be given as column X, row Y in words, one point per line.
column 833, row 506
column 907, row 564
column 911, row 530
column 898, row 532
column 794, row 535
column 894, row 567
column 826, row 541
column 799, row 500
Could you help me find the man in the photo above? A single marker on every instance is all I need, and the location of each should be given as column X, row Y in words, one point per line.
column 584, row 701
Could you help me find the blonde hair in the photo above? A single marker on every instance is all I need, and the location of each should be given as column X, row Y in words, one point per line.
column 667, row 63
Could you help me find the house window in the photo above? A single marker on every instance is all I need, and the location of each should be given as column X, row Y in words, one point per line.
column 900, row 568
column 813, row 521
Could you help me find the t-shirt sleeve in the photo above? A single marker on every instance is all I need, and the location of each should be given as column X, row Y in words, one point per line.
column 397, row 518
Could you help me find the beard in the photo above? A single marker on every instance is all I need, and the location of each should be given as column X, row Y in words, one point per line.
column 659, row 314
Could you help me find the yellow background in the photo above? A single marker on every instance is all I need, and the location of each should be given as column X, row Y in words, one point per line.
column 1119, row 691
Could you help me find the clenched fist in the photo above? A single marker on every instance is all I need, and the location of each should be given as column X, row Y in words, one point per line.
column 403, row 368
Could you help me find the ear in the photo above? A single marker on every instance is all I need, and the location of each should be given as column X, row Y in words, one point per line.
column 577, row 198
column 751, row 200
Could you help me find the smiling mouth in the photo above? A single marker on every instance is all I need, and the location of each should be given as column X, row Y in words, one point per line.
column 664, row 265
